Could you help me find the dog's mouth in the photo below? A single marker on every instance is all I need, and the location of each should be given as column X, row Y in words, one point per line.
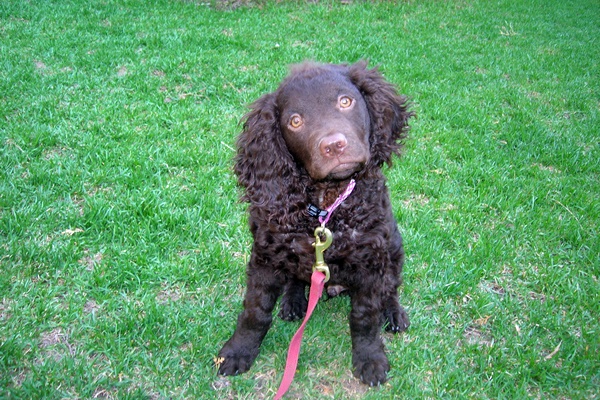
column 345, row 170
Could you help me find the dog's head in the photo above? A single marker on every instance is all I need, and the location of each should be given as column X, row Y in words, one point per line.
column 324, row 121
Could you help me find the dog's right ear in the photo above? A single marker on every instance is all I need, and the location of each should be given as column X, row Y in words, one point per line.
column 263, row 164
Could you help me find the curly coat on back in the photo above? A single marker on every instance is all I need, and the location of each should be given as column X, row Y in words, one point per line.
column 300, row 146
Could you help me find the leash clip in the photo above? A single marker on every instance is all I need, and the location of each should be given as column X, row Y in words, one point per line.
column 320, row 247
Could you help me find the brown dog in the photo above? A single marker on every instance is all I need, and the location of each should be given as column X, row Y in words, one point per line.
column 324, row 125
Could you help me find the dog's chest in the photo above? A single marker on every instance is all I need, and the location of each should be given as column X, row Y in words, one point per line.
column 326, row 196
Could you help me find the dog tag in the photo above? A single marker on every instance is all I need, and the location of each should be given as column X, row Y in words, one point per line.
column 320, row 247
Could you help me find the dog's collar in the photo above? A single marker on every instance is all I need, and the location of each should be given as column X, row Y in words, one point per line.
column 316, row 212
column 324, row 215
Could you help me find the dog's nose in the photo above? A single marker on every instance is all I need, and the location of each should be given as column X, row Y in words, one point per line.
column 333, row 145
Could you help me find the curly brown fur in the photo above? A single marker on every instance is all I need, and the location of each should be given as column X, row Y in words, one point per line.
column 324, row 125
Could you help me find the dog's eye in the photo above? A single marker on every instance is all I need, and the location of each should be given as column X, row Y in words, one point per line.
column 345, row 102
column 296, row 121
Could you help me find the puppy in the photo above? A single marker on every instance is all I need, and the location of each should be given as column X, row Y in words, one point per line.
column 300, row 147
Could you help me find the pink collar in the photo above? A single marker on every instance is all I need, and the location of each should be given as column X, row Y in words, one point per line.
column 323, row 219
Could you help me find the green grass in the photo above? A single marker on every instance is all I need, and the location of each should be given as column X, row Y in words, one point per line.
column 123, row 246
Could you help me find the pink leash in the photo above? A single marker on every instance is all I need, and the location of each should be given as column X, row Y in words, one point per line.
column 317, row 283
column 337, row 202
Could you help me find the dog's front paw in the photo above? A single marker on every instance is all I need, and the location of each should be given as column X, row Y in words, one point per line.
column 396, row 320
column 371, row 368
column 233, row 362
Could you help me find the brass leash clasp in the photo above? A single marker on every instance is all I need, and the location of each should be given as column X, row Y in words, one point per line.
column 320, row 247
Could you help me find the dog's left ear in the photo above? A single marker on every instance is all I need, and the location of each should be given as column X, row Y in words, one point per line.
column 388, row 111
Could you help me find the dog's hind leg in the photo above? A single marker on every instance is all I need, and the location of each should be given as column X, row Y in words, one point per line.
column 293, row 303
column 395, row 318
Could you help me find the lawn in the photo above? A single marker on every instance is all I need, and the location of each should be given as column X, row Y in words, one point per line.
column 123, row 244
